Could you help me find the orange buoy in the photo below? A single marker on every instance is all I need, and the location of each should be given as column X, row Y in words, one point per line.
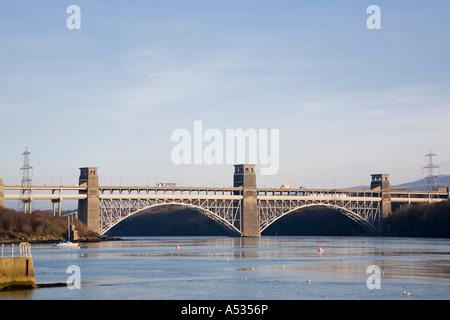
column 320, row 250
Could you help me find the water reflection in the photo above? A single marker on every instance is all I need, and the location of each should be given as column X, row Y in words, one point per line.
column 397, row 258
column 337, row 251
column 242, row 268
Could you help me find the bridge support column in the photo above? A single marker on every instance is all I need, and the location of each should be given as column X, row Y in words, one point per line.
column 88, row 209
column 27, row 205
column 54, row 202
column 2, row 194
column 245, row 177
column 381, row 181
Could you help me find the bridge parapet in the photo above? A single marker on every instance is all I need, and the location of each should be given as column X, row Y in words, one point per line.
column 338, row 193
column 152, row 190
column 413, row 196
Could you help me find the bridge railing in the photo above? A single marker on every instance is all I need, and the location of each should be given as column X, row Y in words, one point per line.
column 407, row 194
column 319, row 193
column 10, row 251
column 169, row 190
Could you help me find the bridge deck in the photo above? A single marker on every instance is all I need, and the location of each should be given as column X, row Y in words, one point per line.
column 60, row 192
column 38, row 196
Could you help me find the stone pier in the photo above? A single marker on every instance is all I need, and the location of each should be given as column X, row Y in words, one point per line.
column 17, row 273
column 88, row 209
column 245, row 177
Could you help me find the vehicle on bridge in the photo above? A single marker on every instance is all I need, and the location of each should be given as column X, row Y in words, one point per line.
column 286, row 186
column 165, row 184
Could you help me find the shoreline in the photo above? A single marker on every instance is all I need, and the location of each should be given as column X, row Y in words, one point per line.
column 37, row 241
column 116, row 238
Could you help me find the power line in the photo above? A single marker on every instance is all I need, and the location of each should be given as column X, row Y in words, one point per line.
column 26, row 182
column 431, row 167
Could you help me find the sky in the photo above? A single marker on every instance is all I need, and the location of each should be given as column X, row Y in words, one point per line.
column 348, row 101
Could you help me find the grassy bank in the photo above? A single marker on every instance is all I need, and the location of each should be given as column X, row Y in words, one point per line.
column 38, row 227
column 420, row 220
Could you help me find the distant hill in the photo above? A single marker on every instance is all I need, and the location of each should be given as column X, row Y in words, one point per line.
column 420, row 185
column 442, row 181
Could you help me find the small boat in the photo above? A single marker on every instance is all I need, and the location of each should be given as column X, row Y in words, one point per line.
column 68, row 243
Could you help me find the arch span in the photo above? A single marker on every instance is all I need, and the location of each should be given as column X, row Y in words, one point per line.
column 364, row 223
column 225, row 223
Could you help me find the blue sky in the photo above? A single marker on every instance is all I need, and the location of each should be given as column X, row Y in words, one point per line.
column 348, row 101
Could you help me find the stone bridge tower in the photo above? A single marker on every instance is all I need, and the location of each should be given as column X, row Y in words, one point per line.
column 88, row 209
column 245, row 177
column 381, row 182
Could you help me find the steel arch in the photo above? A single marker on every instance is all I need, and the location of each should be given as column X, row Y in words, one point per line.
column 228, row 225
column 367, row 225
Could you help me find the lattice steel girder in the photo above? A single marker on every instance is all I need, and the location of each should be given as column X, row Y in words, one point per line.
column 365, row 212
column 225, row 210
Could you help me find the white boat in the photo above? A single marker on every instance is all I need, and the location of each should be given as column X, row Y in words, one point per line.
column 68, row 243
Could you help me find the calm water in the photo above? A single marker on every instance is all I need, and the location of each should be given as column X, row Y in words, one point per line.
column 244, row 268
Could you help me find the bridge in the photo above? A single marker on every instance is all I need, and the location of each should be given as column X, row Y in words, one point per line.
column 244, row 209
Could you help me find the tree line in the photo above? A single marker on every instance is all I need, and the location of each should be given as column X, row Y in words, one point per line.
column 37, row 226
column 420, row 220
